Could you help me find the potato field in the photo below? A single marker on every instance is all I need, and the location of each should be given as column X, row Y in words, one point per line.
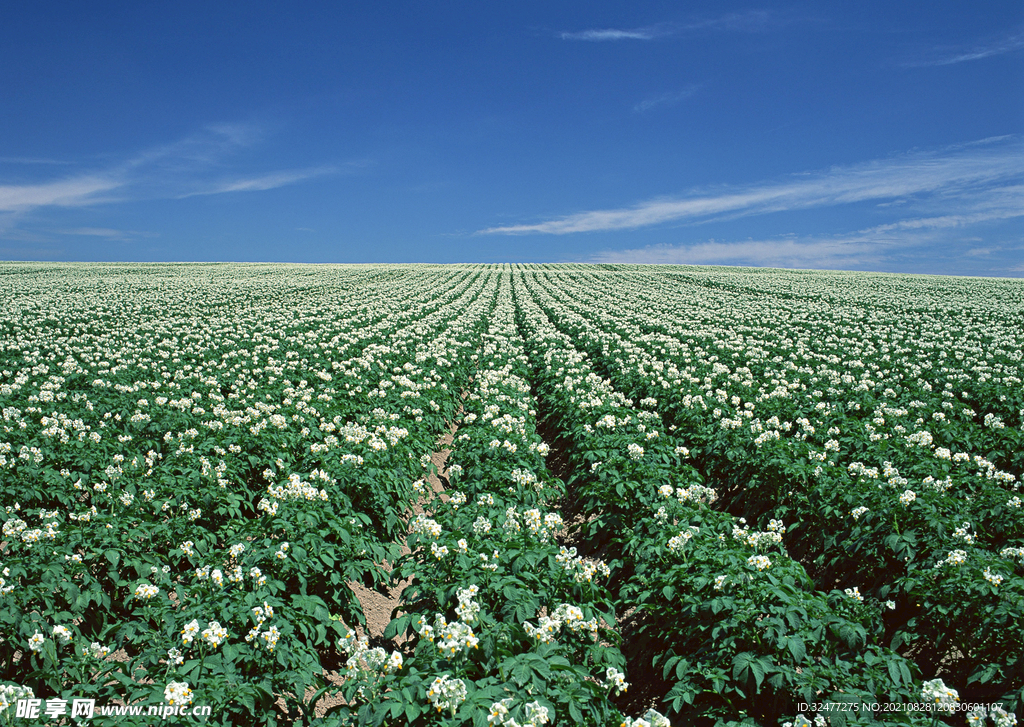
column 672, row 495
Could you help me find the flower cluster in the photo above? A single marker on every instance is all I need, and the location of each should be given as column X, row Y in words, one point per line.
column 1000, row 717
column 534, row 713
column 447, row 693
column 757, row 539
column 450, row 638
column 424, row 525
column 565, row 615
column 96, row 650
column 761, row 562
column 676, row 542
column 581, row 569
column 145, row 591
column 652, row 718
column 936, row 692
column 10, row 694
column 615, row 679
column 365, row 664
column 178, row 694
column 955, row 557
column 214, row 634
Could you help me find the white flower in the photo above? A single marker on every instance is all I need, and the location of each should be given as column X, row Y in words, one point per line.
column 189, row 632
column 936, row 692
column 96, row 650
column 35, row 643
column 651, row 718
column 178, row 693
column 423, row 524
column 761, row 562
column 615, row 679
column 271, row 637
column 62, row 634
column 955, row 557
column 481, row 525
column 993, row 578
column 145, row 591
column 215, row 634
column 1002, row 718
column 447, row 693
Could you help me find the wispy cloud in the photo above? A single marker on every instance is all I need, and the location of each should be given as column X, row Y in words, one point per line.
column 610, row 34
column 995, row 47
column 264, row 182
column 749, row 21
column 666, row 99
column 29, row 160
column 191, row 166
column 977, row 180
column 930, row 247
column 69, row 192
column 106, row 233
column 818, row 253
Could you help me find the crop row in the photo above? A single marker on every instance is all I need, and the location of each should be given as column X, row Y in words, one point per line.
column 839, row 468
column 723, row 613
column 499, row 624
column 187, row 499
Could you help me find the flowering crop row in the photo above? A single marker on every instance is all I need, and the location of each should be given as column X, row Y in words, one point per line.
column 901, row 480
column 500, row 624
column 194, row 467
column 723, row 609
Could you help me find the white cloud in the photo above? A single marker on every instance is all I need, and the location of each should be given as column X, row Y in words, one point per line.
column 751, row 20
column 666, row 99
column 70, row 192
column 817, row 253
column 171, row 171
column 93, row 232
column 609, row 34
column 264, row 181
column 976, row 180
column 106, row 232
column 928, row 249
column 29, row 160
column 993, row 48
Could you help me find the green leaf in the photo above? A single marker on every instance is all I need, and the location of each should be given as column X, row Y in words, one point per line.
column 114, row 556
column 397, row 626
column 575, row 713
column 796, row 648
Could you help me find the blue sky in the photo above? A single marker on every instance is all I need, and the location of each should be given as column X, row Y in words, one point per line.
column 844, row 135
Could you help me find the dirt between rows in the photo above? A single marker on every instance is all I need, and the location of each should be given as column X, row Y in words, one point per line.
column 377, row 607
